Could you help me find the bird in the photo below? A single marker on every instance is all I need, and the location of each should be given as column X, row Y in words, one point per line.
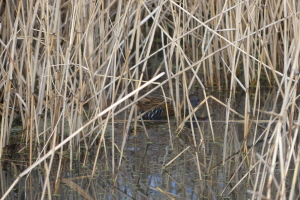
column 154, row 108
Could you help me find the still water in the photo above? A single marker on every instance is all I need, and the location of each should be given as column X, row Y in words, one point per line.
column 159, row 160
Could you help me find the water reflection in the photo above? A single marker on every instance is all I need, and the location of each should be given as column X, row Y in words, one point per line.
column 188, row 164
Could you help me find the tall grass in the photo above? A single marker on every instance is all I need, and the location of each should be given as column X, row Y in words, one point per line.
column 69, row 67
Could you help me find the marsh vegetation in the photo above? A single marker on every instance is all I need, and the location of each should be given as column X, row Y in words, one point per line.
column 72, row 72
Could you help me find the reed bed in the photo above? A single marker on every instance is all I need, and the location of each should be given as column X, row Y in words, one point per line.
column 68, row 69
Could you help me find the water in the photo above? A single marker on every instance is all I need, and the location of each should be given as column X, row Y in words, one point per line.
column 159, row 162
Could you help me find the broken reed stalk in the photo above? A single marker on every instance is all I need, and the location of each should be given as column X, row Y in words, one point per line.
column 58, row 146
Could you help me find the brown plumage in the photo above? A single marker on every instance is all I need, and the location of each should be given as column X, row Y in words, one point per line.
column 156, row 108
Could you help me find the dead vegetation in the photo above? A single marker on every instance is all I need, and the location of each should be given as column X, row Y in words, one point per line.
column 68, row 69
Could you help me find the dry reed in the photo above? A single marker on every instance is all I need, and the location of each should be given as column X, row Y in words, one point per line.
column 68, row 68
